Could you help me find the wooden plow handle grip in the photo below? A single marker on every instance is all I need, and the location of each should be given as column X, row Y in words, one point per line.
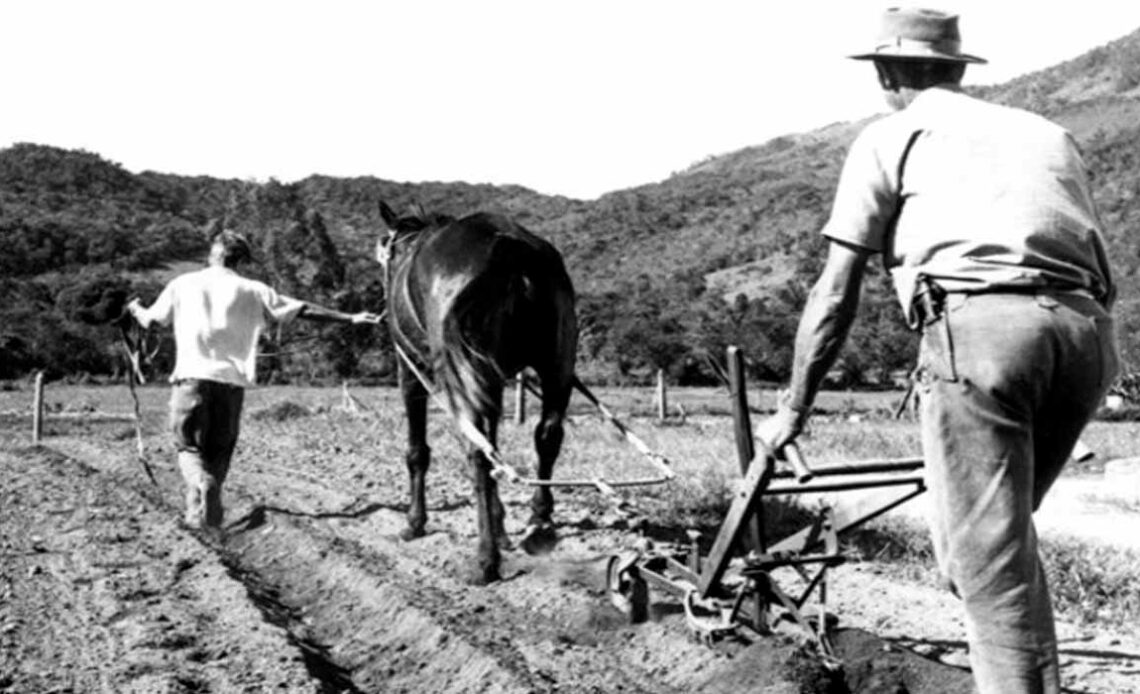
column 790, row 454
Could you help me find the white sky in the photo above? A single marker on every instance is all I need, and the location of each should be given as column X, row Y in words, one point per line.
column 570, row 97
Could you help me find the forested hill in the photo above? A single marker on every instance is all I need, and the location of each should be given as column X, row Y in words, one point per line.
column 721, row 253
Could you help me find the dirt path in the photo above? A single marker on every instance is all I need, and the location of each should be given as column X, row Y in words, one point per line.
column 310, row 590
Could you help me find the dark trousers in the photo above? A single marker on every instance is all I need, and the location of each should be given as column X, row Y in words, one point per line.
column 205, row 419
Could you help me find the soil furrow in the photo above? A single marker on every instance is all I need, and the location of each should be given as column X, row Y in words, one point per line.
column 310, row 590
column 399, row 626
column 112, row 596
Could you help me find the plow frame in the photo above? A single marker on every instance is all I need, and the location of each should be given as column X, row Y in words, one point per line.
column 722, row 592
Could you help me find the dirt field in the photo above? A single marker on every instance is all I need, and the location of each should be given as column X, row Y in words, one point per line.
column 309, row 589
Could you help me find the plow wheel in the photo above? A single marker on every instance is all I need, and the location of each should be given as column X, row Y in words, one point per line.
column 628, row 591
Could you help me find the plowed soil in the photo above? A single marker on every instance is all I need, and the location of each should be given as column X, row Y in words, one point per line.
column 308, row 587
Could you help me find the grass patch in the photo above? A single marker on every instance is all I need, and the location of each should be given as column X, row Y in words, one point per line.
column 282, row 412
column 902, row 545
column 1093, row 583
column 1088, row 583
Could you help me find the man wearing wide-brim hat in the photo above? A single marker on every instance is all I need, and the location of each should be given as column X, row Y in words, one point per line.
column 984, row 217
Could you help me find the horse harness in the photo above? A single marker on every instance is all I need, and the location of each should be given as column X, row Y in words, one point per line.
column 500, row 468
column 384, row 255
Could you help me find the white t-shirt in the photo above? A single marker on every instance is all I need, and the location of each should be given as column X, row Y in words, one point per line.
column 218, row 316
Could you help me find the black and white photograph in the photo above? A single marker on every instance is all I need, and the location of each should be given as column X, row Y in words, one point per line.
column 502, row 346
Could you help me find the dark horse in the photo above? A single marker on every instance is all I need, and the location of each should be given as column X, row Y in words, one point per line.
column 472, row 302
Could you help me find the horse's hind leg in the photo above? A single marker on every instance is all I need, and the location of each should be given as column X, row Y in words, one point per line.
column 418, row 456
column 548, row 436
column 489, row 511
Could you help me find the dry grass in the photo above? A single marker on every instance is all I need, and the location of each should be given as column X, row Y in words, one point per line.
column 1093, row 583
column 1089, row 583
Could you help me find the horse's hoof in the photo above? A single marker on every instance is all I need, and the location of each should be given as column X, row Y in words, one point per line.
column 483, row 575
column 540, row 539
column 409, row 534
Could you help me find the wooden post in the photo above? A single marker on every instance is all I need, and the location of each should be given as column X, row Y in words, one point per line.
column 520, row 398
column 38, row 409
column 745, row 503
column 662, row 404
column 745, row 448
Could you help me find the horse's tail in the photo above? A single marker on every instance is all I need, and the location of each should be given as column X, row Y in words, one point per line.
column 468, row 365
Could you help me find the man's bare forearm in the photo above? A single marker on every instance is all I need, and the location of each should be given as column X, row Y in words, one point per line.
column 826, row 320
column 822, row 331
column 823, row 328
column 320, row 314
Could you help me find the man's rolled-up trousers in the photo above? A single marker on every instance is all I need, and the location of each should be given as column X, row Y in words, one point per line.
column 1007, row 383
column 205, row 418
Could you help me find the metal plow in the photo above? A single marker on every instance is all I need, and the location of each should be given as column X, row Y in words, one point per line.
column 731, row 589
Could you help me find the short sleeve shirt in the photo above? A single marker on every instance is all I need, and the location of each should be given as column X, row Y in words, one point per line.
column 975, row 196
column 218, row 316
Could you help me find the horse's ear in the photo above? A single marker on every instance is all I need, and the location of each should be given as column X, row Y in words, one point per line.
column 417, row 210
column 388, row 215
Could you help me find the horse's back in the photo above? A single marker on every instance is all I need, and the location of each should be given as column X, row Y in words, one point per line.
column 484, row 241
column 487, row 250
column 505, row 292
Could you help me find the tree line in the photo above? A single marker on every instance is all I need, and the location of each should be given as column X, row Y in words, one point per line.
column 667, row 274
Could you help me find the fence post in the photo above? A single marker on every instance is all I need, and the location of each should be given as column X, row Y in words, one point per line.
column 38, row 409
column 520, row 398
column 662, row 404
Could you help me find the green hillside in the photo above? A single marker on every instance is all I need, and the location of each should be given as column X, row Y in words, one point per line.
column 721, row 253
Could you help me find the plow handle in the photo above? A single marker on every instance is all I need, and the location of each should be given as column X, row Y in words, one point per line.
column 792, row 456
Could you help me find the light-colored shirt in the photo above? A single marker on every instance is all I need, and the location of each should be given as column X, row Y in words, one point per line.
column 218, row 316
column 978, row 197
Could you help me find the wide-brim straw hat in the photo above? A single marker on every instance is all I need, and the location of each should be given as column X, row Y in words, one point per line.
column 918, row 34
